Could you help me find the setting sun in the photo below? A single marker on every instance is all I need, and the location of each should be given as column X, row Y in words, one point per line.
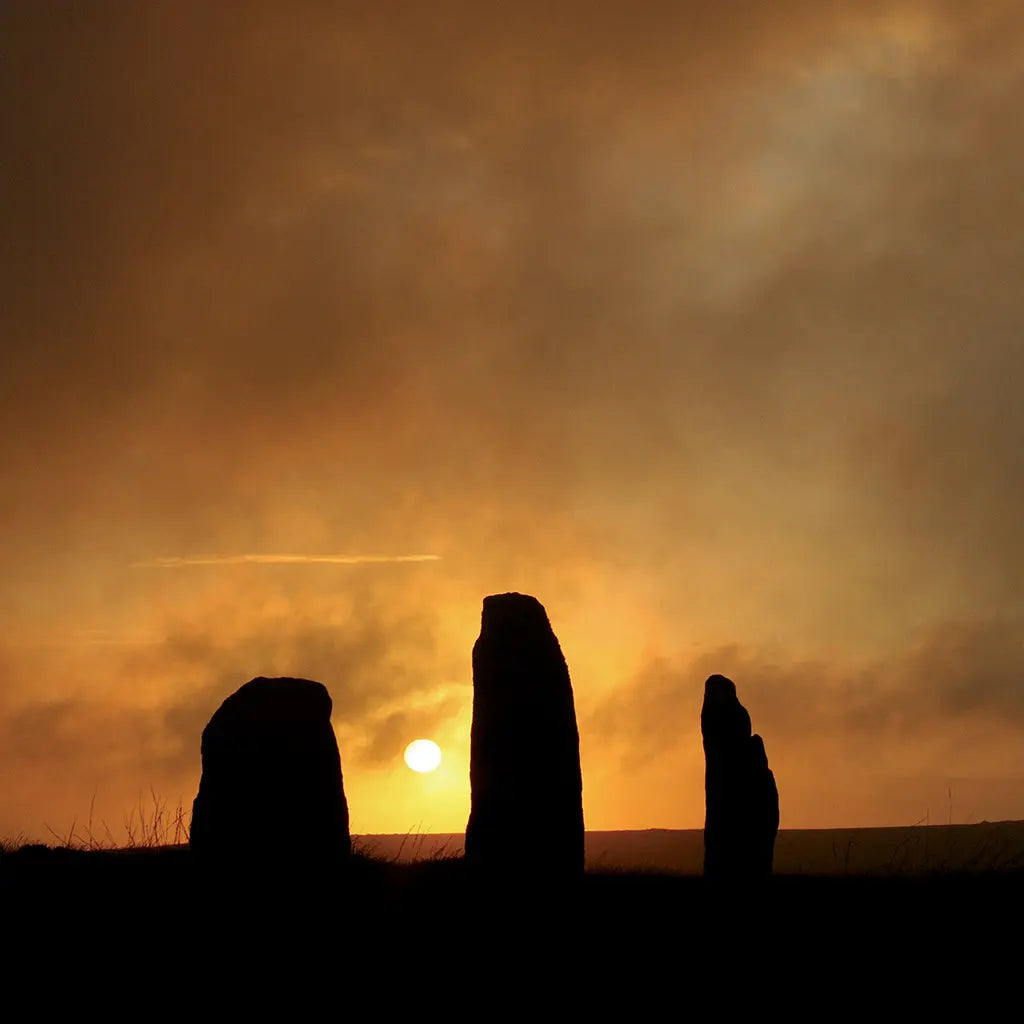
column 423, row 755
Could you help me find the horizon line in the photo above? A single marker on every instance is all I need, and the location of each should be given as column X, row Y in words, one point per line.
column 179, row 561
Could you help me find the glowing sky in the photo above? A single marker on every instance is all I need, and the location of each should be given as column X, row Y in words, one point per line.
column 701, row 322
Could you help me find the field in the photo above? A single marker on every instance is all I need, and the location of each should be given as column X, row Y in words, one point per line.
column 855, row 851
column 927, row 912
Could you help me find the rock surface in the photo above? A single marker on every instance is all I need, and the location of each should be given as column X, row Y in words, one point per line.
column 741, row 798
column 525, row 777
column 271, row 791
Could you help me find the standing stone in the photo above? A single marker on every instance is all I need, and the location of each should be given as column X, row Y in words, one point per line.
column 525, row 778
column 742, row 801
column 271, row 792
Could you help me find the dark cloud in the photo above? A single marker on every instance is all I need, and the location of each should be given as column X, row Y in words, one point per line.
column 382, row 669
column 370, row 663
column 954, row 672
column 59, row 735
column 390, row 736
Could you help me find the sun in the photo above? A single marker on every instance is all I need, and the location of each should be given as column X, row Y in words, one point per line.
column 423, row 755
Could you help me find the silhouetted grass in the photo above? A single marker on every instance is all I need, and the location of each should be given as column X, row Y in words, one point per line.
column 145, row 827
column 387, row 922
column 411, row 845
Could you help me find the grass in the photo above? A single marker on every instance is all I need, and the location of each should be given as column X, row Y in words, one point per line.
column 145, row 827
column 412, row 845
column 915, row 855
column 10, row 845
column 393, row 915
column 155, row 823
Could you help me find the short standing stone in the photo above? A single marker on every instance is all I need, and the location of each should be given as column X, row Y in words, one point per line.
column 271, row 791
column 742, row 801
column 527, row 787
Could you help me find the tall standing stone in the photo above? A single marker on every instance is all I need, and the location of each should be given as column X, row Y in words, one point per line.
column 741, row 798
column 525, row 777
column 271, row 792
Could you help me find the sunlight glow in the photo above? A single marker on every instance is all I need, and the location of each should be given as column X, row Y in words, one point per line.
column 423, row 755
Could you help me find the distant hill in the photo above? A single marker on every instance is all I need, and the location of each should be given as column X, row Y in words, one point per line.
column 858, row 851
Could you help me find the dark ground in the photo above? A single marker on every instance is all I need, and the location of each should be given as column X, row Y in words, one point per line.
column 420, row 936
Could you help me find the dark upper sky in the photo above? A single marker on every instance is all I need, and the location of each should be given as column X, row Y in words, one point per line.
column 701, row 322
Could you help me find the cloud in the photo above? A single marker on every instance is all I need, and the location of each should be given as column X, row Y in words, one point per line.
column 139, row 724
column 373, row 662
column 954, row 676
column 851, row 740
column 176, row 562
column 393, row 733
column 700, row 324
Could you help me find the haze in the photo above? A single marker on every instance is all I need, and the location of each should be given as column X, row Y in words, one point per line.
column 700, row 322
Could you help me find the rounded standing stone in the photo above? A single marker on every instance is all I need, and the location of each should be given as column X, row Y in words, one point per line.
column 271, row 791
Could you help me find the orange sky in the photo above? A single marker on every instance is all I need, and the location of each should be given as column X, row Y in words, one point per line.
column 700, row 322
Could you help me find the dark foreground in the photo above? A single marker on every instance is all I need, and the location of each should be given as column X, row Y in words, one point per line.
column 425, row 937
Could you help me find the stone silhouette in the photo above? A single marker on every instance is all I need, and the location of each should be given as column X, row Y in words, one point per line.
column 271, row 790
column 741, row 799
column 527, row 787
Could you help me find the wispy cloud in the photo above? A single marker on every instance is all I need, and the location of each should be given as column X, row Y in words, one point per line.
column 78, row 638
column 178, row 562
column 126, row 641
